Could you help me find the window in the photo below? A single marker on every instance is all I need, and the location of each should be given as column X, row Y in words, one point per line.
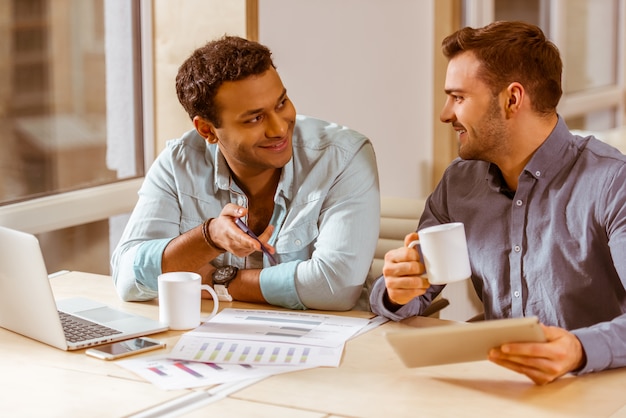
column 590, row 36
column 71, row 105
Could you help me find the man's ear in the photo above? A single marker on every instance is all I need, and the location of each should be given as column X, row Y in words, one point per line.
column 205, row 129
column 514, row 97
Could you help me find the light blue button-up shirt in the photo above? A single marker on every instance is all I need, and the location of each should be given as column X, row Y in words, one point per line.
column 326, row 217
column 555, row 248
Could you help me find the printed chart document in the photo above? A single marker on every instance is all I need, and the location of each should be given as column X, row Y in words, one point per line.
column 281, row 326
column 170, row 374
column 239, row 344
column 277, row 338
column 267, row 353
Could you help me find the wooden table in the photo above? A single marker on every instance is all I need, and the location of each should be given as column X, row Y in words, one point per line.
column 38, row 380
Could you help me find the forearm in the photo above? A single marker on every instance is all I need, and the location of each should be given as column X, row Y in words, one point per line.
column 246, row 287
column 189, row 251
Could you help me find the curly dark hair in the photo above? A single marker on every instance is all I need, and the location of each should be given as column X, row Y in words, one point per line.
column 512, row 51
column 229, row 58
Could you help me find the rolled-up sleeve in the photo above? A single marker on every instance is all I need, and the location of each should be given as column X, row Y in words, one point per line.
column 278, row 287
column 415, row 307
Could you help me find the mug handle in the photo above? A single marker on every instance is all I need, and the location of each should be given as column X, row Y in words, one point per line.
column 416, row 245
column 216, row 303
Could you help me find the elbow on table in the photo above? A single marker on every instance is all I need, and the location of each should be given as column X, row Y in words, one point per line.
column 129, row 290
column 343, row 300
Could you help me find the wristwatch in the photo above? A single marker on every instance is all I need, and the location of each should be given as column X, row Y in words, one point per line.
column 222, row 277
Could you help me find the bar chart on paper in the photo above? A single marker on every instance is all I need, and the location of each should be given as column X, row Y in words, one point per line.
column 262, row 337
column 170, row 374
column 278, row 326
column 241, row 344
column 254, row 352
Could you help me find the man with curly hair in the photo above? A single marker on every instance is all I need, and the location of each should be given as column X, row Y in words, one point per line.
column 308, row 189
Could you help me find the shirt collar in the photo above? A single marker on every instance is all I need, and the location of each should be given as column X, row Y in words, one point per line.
column 222, row 171
column 548, row 159
column 553, row 154
column 222, row 175
column 285, row 185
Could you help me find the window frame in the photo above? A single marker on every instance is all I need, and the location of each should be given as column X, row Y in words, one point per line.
column 481, row 12
column 78, row 207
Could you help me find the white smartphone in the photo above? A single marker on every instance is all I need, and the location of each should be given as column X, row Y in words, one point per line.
column 124, row 348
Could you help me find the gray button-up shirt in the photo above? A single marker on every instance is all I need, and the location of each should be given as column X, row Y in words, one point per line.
column 555, row 248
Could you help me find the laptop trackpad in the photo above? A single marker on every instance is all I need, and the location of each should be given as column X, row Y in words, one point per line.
column 103, row 314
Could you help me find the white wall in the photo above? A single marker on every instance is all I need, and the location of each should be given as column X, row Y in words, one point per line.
column 365, row 64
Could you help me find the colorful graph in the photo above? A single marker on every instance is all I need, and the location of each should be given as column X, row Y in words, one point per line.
column 245, row 352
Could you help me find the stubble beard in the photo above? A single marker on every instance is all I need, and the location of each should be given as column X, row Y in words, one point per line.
column 488, row 140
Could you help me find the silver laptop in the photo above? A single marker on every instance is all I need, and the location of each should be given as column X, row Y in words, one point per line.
column 28, row 307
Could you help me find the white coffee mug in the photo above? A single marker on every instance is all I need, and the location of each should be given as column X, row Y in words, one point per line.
column 443, row 249
column 180, row 300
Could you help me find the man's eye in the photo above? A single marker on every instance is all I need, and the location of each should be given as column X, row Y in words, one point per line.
column 255, row 119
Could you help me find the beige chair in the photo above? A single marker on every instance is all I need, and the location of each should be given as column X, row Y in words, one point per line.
column 398, row 217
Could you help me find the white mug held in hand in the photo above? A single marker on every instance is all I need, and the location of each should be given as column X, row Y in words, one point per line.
column 443, row 249
column 180, row 300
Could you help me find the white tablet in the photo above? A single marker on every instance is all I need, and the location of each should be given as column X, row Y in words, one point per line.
column 461, row 342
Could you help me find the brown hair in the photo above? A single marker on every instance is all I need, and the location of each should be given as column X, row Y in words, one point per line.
column 509, row 52
column 229, row 58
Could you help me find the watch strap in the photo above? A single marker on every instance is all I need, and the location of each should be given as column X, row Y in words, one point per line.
column 222, row 293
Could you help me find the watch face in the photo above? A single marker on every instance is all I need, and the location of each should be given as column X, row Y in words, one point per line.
column 225, row 274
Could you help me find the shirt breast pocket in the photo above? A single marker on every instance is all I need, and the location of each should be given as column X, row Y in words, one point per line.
column 296, row 242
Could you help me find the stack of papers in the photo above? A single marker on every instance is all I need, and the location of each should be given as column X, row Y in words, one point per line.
column 240, row 344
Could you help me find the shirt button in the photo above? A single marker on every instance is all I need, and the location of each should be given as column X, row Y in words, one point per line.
column 516, row 293
column 517, row 248
column 518, row 203
column 298, row 242
column 538, row 173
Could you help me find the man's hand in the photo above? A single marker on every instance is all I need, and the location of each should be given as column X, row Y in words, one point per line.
column 542, row 362
column 402, row 270
column 225, row 233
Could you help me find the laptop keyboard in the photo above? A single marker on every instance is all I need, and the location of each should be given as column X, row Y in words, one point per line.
column 78, row 329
